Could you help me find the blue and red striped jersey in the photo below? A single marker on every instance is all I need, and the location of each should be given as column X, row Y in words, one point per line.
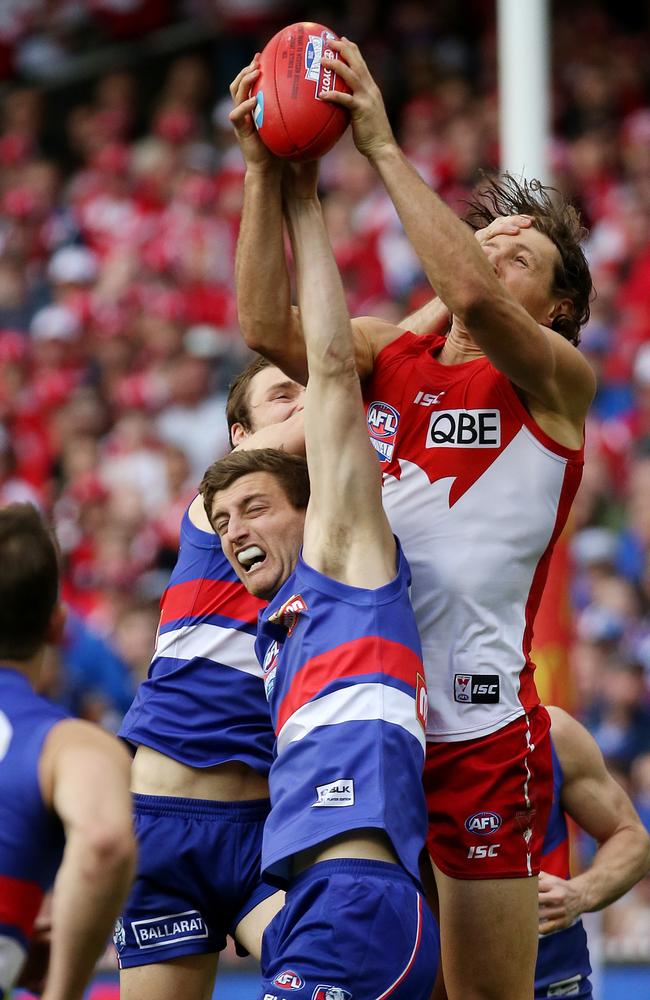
column 203, row 701
column 343, row 674
column 563, row 956
column 31, row 836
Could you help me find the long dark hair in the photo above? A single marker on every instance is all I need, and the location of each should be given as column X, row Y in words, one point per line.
column 558, row 220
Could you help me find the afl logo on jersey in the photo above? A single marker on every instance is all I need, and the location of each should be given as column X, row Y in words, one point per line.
column 383, row 421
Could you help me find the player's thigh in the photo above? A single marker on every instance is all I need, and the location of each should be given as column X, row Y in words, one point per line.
column 250, row 928
column 188, row 978
column 488, row 931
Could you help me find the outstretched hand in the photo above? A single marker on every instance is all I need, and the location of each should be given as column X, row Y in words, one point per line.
column 370, row 126
column 255, row 152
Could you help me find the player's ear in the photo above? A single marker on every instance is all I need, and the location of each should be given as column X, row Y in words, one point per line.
column 560, row 308
column 237, row 434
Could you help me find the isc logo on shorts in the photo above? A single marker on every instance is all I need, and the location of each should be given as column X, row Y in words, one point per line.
column 481, row 689
column 464, row 429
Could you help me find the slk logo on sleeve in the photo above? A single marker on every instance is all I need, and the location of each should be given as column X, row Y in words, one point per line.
column 335, row 793
column 170, row 929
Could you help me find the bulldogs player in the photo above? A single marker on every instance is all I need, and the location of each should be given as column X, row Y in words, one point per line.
column 65, row 808
column 583, row 790
column 480, row 436
column 341, row 659
column 204, row 740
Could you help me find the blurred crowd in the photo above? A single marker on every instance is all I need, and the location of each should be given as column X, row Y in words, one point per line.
column 118, row 328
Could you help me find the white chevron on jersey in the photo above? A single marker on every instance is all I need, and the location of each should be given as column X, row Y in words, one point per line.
column 211, row 642
column 355, row 703
column 473, row 566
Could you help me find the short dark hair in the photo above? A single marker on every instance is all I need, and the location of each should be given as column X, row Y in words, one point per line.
column 558, row 220
column 290, row 471
column 29, row 581
column 238, row 404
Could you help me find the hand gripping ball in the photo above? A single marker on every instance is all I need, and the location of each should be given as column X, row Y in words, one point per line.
column 292, row 121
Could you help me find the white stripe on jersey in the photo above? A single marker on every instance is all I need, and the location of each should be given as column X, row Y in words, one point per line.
column 356, row 703
column 212, row 642
column 12, row 956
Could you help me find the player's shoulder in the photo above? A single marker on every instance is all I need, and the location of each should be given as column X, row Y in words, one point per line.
column 575, row 746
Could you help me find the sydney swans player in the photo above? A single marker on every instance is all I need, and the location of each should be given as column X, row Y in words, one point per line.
column 480, row 437
column 343, row 675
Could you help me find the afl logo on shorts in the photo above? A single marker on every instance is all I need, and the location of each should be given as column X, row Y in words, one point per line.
column 383, row 421
column 289, row 980
column 483, row 823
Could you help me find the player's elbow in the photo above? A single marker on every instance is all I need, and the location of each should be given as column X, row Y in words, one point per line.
column 109, row 848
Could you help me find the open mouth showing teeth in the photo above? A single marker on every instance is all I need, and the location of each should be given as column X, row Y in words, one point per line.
column 250, row 557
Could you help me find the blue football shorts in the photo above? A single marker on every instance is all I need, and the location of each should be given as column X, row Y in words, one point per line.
column 198, row 876
column 351, row 930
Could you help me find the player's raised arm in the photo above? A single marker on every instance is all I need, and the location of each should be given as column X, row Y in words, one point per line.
column 84, row 774
column 598, row 804
column 510, row 332
column 347, row 535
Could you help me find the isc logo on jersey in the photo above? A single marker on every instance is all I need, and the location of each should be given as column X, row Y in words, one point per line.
column 289, row 980
column 464, row 429
column 383, row 421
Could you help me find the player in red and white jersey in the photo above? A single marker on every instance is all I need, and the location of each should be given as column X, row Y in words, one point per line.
column 481, row 434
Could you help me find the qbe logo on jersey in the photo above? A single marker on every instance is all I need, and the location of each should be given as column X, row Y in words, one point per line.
column 464, row 429
column 476, row 689
column 383, row 421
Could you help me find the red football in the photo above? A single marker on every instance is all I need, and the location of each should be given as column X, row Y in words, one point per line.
column 291, row 119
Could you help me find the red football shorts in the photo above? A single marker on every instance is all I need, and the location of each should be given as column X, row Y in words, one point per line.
column 489, row 800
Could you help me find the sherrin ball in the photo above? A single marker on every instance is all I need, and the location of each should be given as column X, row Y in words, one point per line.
column 291, row 119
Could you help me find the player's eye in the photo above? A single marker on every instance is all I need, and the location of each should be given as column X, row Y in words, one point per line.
column 522, row 261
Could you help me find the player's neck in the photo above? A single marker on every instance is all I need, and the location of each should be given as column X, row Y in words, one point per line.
column 459, row 347
column 31, row 669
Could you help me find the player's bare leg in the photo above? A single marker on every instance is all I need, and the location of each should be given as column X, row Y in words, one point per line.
column 250, row 929
column 488, row 932
column 188, row 978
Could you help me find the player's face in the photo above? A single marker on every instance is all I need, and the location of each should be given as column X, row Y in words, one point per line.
column 525, row 264
column 260, row 530
column 272, row 398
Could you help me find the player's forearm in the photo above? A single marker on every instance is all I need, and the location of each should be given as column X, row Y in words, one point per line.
column 617, row 866
column 325, row 318
column 451, row 257
column 262, row 280
column 89, row 893
column 432, row 317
